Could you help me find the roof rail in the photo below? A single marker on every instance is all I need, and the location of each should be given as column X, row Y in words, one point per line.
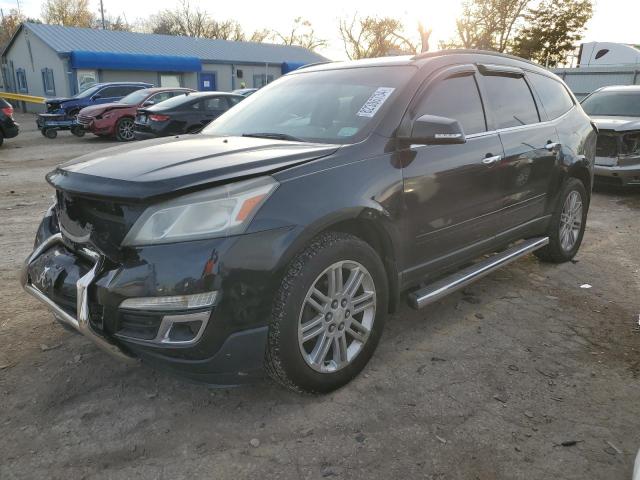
column 454, row 51
column 312, row 65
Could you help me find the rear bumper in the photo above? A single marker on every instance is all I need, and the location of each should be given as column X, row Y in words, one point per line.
column 144, row 135
column 10, row 131
column 618, row 175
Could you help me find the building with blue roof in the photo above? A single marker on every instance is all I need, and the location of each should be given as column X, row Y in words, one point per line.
column 56, row 61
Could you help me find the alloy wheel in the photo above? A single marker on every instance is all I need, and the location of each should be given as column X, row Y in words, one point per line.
column 337, row 316
column 570, row 221
column 125, row 129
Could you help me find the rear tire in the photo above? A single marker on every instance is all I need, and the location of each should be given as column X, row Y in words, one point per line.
column 347, row 319
column 567, row 224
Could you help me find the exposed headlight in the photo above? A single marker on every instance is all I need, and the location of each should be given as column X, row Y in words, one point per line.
column 218, row 212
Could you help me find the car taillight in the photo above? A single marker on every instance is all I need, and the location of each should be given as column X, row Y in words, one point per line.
column 8, row 111
column 158, row 118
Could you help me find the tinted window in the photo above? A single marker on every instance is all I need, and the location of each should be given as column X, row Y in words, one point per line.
column 111, row 92
column 616, row 104
column 511, row 101
column 555, row 99
column 456, row 98
column 602, row 53
column 215, row 103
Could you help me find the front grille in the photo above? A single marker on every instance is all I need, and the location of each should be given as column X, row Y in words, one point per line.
column 607, row 145
column 101, row 223
column 84, row 120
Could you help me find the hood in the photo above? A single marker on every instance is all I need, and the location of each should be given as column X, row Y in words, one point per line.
column 617, row 124
column 93, row 110
column 161, row 167
column 59, row 100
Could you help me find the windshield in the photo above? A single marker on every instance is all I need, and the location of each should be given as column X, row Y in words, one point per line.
column 88, row 92
column 135, row 98
column 615, row 104
column 332, row 106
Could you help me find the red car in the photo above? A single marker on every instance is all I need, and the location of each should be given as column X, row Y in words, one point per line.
column 116, row 119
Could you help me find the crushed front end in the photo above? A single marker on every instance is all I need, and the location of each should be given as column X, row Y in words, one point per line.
column 617, row 159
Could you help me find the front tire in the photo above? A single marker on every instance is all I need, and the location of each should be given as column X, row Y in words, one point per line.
column 328, row 314
column 124, row 130
column 567, row 224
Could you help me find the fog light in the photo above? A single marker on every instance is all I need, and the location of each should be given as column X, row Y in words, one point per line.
column 177, row 302
column 182, row 329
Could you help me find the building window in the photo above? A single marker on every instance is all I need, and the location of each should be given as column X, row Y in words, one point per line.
column 21, row 79
column 86, row 79
column 47, row 81
column 170, row 80
column 261, row 80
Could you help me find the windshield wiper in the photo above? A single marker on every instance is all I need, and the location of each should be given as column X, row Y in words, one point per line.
column 277, row 136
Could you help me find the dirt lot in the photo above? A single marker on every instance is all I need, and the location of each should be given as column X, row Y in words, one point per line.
column 524, row 375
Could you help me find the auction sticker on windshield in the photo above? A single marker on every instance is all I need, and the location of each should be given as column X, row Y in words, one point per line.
column 375, row 101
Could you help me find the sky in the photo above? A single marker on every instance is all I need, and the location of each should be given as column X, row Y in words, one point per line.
column 613, row 20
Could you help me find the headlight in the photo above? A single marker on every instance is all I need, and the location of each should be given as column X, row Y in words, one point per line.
column 218, row 212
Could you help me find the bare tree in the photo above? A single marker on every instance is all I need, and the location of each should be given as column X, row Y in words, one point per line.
column 488, row 24
column 194, row 22
column 70, row 13
column 9, row 25
column 301, row 34
column 260, row 35
column 374, row 37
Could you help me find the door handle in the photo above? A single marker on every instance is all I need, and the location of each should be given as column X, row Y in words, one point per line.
column 552, row 146
column 491, row 160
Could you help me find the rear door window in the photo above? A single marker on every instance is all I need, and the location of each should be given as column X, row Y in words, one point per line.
column 457, row 98
column 554, row 96
column 216, row 104
column 511, row 101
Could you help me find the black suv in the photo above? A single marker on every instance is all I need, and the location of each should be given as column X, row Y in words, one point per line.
column 8, row 126
column 284, row 233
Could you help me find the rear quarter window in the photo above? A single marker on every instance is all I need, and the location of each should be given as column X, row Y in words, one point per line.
column 511, row 101
column 555, row 98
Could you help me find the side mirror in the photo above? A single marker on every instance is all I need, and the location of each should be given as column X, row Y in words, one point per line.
column 148, row 103
column 96, row 96
column 434, row 130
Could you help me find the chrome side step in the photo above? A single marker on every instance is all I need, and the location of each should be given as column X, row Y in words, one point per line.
column 464, row 277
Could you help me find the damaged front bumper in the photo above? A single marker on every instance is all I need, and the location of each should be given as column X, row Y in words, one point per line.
column 81, row 321
column 620, row 171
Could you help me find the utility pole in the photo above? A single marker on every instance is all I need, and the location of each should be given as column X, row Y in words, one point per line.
column 102, row 15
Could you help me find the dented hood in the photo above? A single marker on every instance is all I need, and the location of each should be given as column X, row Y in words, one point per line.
column 162, row 167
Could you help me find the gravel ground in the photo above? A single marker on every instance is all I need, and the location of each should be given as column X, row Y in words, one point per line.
column 524, row 375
